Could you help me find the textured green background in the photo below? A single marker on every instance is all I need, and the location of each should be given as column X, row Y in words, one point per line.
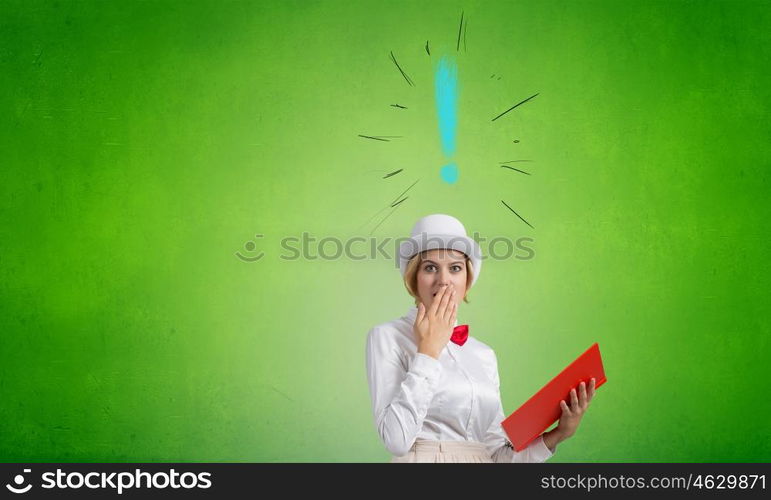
column 144, row 143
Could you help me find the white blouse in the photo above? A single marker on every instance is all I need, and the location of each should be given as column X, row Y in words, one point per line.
column 454, row 398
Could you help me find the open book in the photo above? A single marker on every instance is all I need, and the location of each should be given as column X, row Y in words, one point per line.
column 543, row 409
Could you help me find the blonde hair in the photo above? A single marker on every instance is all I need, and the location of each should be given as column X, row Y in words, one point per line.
column 411, row 276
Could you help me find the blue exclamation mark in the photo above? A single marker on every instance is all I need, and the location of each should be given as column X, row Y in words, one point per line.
column 447, row 109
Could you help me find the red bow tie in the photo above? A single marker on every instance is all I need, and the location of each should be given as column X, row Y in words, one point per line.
column 460, row 334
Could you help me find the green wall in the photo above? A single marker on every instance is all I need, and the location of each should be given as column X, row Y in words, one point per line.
column 145, row 143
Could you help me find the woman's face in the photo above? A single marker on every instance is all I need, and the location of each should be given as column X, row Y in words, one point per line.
column 441, row 267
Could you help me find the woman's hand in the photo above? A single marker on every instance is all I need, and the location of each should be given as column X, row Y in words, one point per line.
column 433, row 327
column 571, row 415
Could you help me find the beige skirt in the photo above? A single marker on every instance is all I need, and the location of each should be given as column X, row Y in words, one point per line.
column 424, row 451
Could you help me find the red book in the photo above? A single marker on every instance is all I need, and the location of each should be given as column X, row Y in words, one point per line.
column 543, row 409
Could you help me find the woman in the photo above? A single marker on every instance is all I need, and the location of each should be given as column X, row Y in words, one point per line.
column 435, row 389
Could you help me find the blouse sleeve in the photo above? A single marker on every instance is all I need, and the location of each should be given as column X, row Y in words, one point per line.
column 497, row 441
column 400, row 395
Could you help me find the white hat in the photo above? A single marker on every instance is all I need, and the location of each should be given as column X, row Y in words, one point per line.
column 440, row 231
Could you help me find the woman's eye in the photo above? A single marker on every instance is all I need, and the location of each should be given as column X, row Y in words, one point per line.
column 456, row 268
column 429, row 268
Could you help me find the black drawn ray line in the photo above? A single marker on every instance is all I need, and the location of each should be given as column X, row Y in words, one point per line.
column 390, row 205
column 460, row 29
column 373, row 216
column 394, row 206
column 518, row 104
column 392, row 173
column 374, row 138
column 409, row 80
column 398, row 202
column 405, row 191
column 384, row 219
column 518, row 170
column 515, row 213
column 384, row 138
